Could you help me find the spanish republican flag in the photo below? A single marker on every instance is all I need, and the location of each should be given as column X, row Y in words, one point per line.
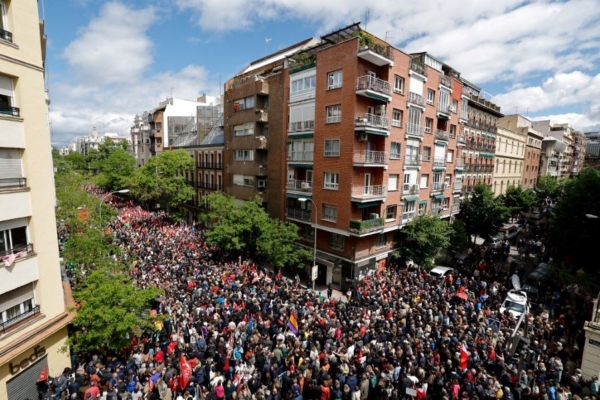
column 293, row 324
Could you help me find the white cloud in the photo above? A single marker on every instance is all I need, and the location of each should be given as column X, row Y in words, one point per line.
column 113, row 47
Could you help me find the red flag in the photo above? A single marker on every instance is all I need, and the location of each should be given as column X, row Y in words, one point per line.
column 279, row 275
column 173, row 383
column 171, row 347
column 44, row 374
column 464, row 357
column 185, row 372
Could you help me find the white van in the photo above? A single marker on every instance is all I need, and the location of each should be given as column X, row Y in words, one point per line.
column 515, row 302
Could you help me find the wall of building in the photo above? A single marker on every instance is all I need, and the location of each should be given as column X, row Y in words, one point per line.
column 510, row 160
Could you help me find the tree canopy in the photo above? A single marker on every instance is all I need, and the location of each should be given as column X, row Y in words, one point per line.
column 482, row 213
column 518, row 200
column 424, row 237
column 458, row 238
column 548, row 186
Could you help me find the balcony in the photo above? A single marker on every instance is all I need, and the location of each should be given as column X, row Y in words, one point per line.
column 459, row 163
column 418, row 67
column 438, row 186
column 412, row 160
column 11, row 322
column 414, row 130
column 209, row 186
column 369, row 193
column 410, row 188
column 374, row 88
column 210, row 165
column 366, row 226
column 441, row 135
column 145, row 128
column 377, row 54
column 10, row 111
column 455, row 209
column 439, row 162
column 13, row 183
column 300, row 156
column 135, row 130
column 446, row 81
column 19, row 251
column 299, row 186
column 262, row 116
column 260, row 142
column 461, row 140
column 377, row 124
column 416, row 99
column 408, row 216
column 435, row 211
column 444, row 109
column 262, row 87
column 457, row 187
column 297, row 213
column 468, row 188
column 6, row 35
column 368, row 158
column 301, row 126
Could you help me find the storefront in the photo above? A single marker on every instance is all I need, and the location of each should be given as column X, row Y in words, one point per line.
column 19, row 375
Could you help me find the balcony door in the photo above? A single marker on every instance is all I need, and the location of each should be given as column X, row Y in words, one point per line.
column 367, row 183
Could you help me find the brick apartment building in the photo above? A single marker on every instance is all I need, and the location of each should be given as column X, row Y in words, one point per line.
column 368, row 135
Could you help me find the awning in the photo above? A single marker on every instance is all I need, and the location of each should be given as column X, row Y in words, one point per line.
column 423, row 202
column 414, row 198
column 376, row 97
column 443, row 116
column 309, row 166
column 380, row 133
column 441, row 143
column 438, row 196
column 368, row 204
column 298, row 196
column 439, row 169
column 302, row 135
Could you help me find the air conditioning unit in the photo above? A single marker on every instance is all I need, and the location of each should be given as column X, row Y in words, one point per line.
column 305, row 185
column 262, row 183
column 363, row 136
column 373, row 216
column 380, row 110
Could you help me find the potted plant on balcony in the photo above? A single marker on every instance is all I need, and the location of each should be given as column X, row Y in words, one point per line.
column 366, row 39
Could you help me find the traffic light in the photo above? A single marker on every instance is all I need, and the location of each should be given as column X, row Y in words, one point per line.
column 519, row 346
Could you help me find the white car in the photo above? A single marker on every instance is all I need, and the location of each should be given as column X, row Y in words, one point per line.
column 515, row 302
column 440, row 271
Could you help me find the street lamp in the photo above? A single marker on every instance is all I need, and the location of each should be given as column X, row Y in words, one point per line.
column 314, row 263
column 106, row 195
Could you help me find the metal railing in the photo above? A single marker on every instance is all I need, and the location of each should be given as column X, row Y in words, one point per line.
column 304, row 215
column 439, row 162
column 368, row 82
column 416, row 98
column 366, row 192
column 443, row 108
column 407, row 216
column 438, row 186
column 18, row 318
column 414, row 130
column 459, row 163
column 441, row 135
column 7, row 183
column 457, row 186
column 446, row 81
column 6, row 35
column 28, row 248
column 12, row 111
column 304, row 186
column 372, row 120
column 370, row 157
column 412, row 159
column 410, row 188
column 208, row 165
column 461, row 139
column 301, row 126
column 455, row 208
column 418, row 68
column 300, row 156
column 210, row 186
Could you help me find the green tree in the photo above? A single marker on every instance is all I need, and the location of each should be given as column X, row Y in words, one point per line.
column 459, row 240
column 116, row 170
column 424, row 237
column 518, row 200
column 75, row 160
column 482, row 213
column 112, row 310
column 160, row 179
column 277, row 241
column 575, row 226
column 547, row 186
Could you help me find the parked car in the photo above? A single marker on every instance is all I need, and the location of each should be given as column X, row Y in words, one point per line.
column 440, row 271
column 509, row 231
column 495, row 241
column 542, row 273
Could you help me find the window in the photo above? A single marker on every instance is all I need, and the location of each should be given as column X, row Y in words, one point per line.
column 450, row 156
column 243, row 130
column 332, row 147
column 243, row 155
column 393, row 182
column 243, row 104
column 4, row 34
column 330, row 213
column 426, row 153
column 7, row 100
column 397, row 118
column 332, row 181
column 13, row 240
column 452, row 131
column 409, row 208
column 424, row 181
column 381, row 240
column 306, row 83
column 454, row 106
column 414, row 120
column 336, row 241
column 428, row 125
column 16, row 305
column 395, row 150
column 430, row 96
column 390, row 212
column 241, row 180
column 399, row 84
column 422, row 207
column 334, row 114
column 334, row 80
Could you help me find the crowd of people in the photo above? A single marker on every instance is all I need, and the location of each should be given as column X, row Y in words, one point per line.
column 234, row 330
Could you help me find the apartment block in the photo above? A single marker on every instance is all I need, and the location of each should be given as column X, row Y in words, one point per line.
column 579, row 149
column 33, row 314
column 510, row 160
column 557, row 149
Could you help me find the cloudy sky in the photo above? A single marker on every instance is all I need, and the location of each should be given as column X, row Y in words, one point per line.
column 108, row 60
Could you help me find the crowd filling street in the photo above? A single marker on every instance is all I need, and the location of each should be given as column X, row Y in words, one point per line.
column 235, row 330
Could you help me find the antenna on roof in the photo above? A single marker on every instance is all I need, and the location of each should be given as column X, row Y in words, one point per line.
column 367, row 14
column 267, row 40
column 387, row 35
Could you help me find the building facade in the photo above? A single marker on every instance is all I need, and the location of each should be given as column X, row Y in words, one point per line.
column 510, row 160
column 579, row 149
column 33, row 315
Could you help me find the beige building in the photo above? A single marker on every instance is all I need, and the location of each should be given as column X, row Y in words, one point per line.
column 33, row 316
column 510, row 155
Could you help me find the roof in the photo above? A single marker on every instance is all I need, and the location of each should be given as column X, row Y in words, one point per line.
column 277, row 56
column 216, row 136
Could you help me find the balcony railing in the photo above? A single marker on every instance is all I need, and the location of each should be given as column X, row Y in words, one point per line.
column 369, row 192
column 365, row 157
column 372, row 121
column 418, row 67
column 6, row 35
column 18, row 251
column 416, row 98
column 408, row 216
column 303, row 186
column 18, row 318
column 297, row 213
column 412, row 159
column 461, row 139
column 457, row 186
column 301, row 126
column 439, row 162
column 300, row 156
column 371, row 83
column 441, row 135
column 443, row 108
column 455, row 208
column 414, row 130
column 12, row 111
column 261, row 142
column 10, row 183
column 459, row 163
column 468, row 188
column 446, row 81
column 438, row 186
column 209, row 165
column 209, row 186
column 262, row 116
column 365, row 226
column 410, row 188
column 435, row 211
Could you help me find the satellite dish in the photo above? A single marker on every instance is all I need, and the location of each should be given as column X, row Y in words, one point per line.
column 516, row 282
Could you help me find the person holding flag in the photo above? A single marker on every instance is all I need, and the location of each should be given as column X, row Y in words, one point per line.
column 293, row 323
